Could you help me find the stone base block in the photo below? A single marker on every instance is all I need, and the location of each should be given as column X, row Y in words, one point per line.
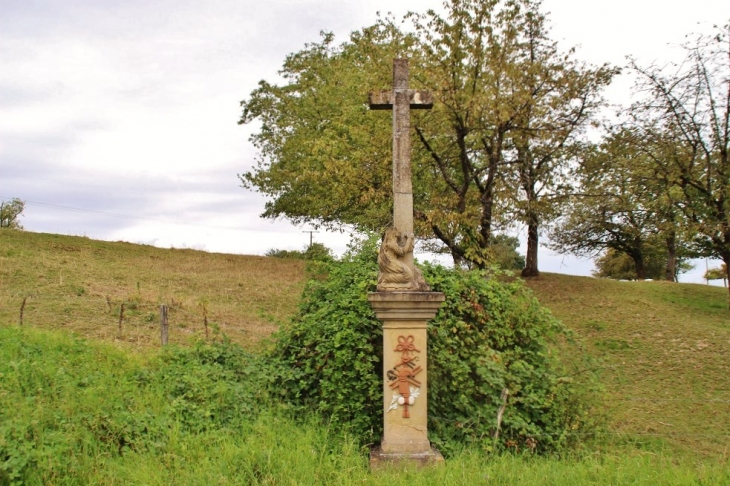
column 382, row 460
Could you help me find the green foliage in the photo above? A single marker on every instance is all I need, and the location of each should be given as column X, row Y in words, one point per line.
column 212, row 386
column 717, row 273
column 315, row 252
column 618, row 265
column 488, row 336
column 330, row 354
column 66, row 407
column 509, row 108
column 286, row 254
column 64, row 401
column 10, row 212
column 614, row 264
column 683, row 122
column 503, row 252
column 622, row 207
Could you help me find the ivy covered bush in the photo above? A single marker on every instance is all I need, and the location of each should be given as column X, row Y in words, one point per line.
column 489, row 340
column 330, row 354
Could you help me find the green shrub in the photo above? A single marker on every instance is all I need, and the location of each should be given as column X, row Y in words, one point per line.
column 330, row 355
column 65, row 403
column 211, row 386
column 491, row 336
column 62, row 401
column 316, row 252
column 487, row 336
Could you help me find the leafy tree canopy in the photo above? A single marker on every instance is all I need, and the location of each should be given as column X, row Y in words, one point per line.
column 683, row 118
column 509, row 109
column 717, row 273
column 503, row 252
column 622, row 205
column 617, row 265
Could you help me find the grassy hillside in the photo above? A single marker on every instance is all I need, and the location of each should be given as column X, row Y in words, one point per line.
column 661, row 349
column 79, row 284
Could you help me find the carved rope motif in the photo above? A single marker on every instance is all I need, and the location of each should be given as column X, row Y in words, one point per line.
column 403, row 375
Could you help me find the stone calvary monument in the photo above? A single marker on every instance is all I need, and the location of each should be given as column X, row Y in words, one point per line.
column 403, row 301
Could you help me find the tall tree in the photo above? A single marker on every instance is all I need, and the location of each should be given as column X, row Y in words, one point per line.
column 324, row 159
column 684, row 119
column 611, row 209
column 563, row 96
column 514, row 106
column 503, row 95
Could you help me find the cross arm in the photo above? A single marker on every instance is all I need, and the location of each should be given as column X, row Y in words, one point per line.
column 383, row 100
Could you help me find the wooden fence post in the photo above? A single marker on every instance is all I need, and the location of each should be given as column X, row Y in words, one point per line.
column 121, row 318
column 163, row 324
column 22, row 309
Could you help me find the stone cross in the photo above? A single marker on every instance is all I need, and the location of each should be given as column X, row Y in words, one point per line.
column 403, row 302
column 401, row 100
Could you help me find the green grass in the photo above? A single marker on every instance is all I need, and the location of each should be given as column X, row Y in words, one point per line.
column 663, row 356
column 81, row 403
column 82, row 413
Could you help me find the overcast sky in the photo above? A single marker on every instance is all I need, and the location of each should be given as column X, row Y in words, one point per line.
column 118, row 118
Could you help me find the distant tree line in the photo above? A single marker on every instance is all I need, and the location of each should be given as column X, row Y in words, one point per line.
column 314, row 252
column 658, row 185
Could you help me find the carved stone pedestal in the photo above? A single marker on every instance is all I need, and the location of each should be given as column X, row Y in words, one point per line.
column 405, row 384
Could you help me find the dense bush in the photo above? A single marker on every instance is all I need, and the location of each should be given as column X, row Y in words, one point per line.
column 211, row 386
column 491, row 336
column 330, row 355
column 488, row 336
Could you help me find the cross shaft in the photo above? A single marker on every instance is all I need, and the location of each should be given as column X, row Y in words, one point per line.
column 401, row 100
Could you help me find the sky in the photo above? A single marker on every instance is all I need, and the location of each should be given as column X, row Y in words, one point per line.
column 118, row 119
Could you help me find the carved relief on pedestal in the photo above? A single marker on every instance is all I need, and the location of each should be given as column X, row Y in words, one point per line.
column 396, row 271
column 406, row 388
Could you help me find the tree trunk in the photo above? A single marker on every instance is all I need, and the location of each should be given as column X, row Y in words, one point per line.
column 726, row 260
column 458, row 260
column 531, row 269
column 671, row 271
column 638, row 259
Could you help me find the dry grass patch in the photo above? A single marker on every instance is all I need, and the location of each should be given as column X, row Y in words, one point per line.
column 80, row 284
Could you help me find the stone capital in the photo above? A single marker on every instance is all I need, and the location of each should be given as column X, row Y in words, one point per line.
column 415, row 308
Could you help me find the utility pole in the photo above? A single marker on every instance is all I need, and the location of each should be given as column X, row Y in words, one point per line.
column 310, row 236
